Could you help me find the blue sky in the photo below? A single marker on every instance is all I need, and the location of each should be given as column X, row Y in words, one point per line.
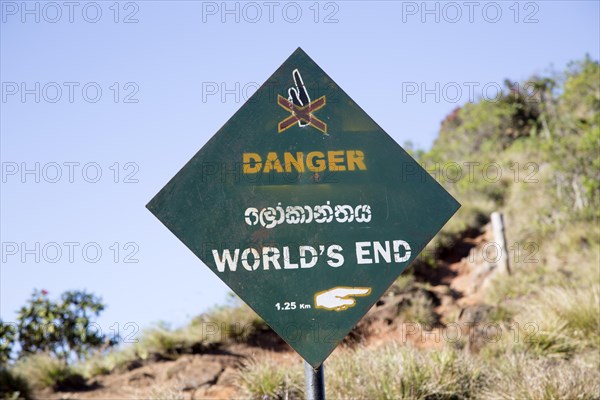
column 154, row 113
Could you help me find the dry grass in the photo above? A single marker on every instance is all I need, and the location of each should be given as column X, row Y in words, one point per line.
column 562, row 320
column 397, row 372
column 516, row 376
column 267, row 378
column 389, row 372
column 45, row 371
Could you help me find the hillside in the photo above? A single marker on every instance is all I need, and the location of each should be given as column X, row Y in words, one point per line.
column 455, row 325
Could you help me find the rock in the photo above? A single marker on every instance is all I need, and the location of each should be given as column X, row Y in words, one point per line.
column 192, row 374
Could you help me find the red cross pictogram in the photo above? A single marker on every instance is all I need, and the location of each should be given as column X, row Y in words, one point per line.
column 302, row 113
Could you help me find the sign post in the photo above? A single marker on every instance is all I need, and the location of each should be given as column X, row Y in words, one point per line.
column 305, row 208
column 315, row 382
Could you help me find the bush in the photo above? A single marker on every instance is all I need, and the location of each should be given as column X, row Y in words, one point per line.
column 12, row 386
column 60, row 327
column 44, row 370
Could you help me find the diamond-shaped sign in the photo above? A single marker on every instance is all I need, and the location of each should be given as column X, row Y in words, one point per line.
column 304, row 207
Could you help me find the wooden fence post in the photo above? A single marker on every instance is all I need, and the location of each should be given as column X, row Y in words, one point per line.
column 500, row 239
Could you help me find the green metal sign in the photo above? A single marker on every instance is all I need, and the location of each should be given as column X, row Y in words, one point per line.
column 304, row 207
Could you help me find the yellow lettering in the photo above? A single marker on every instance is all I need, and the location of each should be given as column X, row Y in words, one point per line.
column 320, row 165
column 252, row 163
column 335, row 158
column 315, row 161
column 356, row 158
column 273, row 162
column 297, row 162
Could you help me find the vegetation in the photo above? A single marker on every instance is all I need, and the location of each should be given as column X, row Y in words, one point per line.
column 49, row 334
column 553, row 294
column 233, row 323
column 265, row 378
column 8, row 333
column 60, row 328
column 419, row 310
column 13, row 386
column 392, row 371
column 532, row 154
column 395, row 371
column 43, row 370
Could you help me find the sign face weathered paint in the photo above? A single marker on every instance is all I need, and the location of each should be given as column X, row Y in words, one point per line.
column 304, row 207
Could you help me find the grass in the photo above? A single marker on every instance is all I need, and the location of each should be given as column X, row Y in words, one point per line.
column 230, row 323
column 267, row 378
column 105, row 363
column 388, row 372
column 555, row 322
column 42, row 371
column 563, row 320
column 517, row 376
column 397, row 372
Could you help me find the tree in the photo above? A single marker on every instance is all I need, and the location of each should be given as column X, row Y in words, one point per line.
column 8, row 333
column 63, row 327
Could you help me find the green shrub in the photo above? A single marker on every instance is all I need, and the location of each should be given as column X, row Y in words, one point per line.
column 60, row 327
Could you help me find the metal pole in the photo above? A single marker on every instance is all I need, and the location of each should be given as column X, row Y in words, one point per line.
column 315, row 383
